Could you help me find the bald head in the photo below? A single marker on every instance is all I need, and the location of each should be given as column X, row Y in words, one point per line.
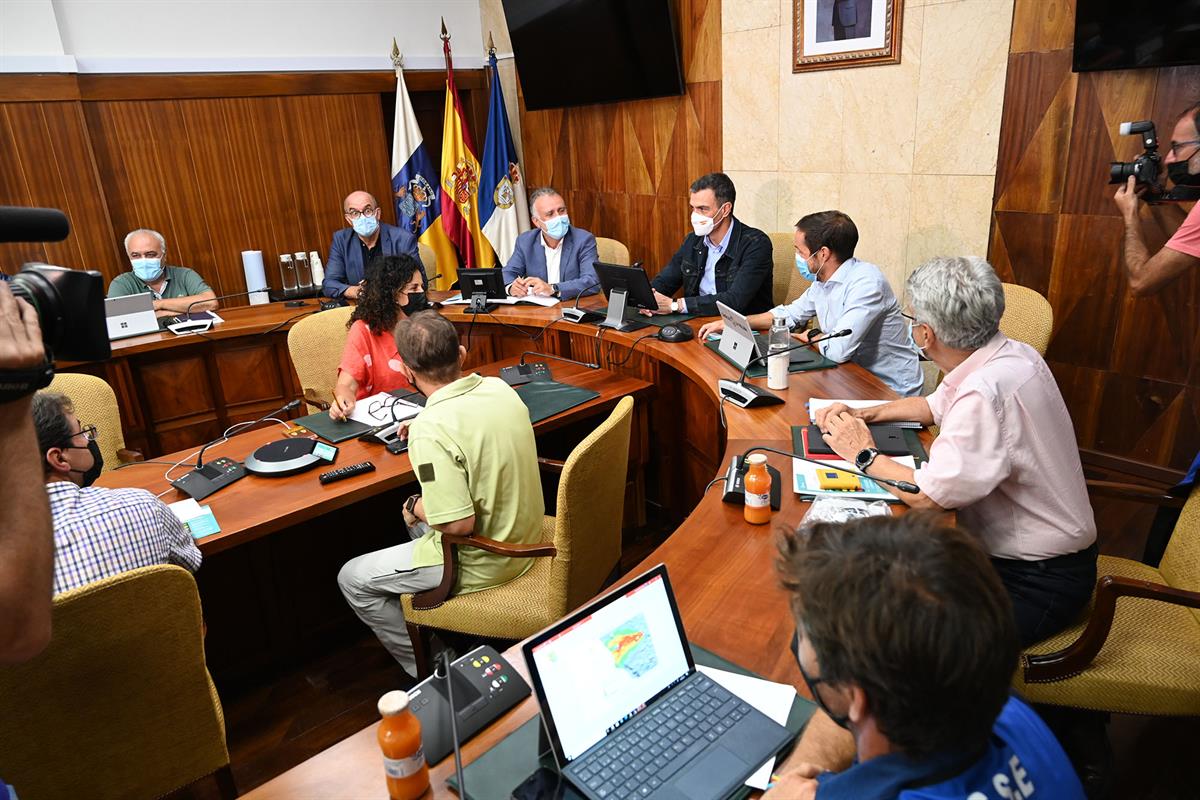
column 358, row 200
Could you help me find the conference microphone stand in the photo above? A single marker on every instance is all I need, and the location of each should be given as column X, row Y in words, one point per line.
column 577, row 314
column 745, row 395
column 184, row 323
column 735, row 485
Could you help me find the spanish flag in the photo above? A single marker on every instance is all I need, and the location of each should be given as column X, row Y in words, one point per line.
column 460, row 180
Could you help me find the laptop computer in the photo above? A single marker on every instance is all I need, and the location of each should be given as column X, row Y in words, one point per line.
column 131, row 315
column 626, row 711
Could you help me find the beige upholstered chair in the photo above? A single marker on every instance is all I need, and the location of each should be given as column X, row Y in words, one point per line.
column 315, row 344
column 581, row 547
column 786, row 283
column 1137, row 656
column 1027, row 318
column 96, row 404
column 428, row 259
column 610, row 251
column 120, row 704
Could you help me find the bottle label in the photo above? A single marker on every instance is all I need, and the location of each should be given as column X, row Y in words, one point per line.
column 404, row 767
column 755, row 500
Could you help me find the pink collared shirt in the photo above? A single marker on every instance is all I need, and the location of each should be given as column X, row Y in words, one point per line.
column 1006, row 458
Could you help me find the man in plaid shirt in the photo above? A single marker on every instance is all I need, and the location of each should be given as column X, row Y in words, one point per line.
column 99, row 532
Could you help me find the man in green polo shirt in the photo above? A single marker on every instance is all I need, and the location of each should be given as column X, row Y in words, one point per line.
column 473, row 450
column 174, row 288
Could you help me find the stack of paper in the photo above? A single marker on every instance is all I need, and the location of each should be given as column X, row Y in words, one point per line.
column 382, row 409
column 815, row 404
column 198, row 520
column 533, row 300
column 805, row 482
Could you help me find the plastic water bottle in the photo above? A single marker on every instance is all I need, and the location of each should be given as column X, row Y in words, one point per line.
column 318, row 271
column 287, row 274
column 303, row 275
column 778, row 363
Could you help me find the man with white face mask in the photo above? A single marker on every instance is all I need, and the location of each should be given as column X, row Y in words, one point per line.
column 555, row 259
column 722, row 260
column 366, row 239
column 174, row 288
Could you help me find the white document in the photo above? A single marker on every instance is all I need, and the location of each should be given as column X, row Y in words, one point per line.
column 382, row 409
column 805, row 481
column 185, row 510
column 815, row 404
column 772, row 699
column 533, row 300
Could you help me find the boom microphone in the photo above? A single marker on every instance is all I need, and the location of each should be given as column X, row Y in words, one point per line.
column 19, row 224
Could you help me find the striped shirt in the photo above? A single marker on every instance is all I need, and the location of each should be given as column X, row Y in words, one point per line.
column 101, row 532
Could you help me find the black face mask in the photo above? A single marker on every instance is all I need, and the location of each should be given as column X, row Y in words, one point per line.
column 1179, row 175
column 416, row 302
column 89, row 475
column 811, row 683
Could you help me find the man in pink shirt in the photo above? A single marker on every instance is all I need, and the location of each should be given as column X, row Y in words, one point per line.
column 1006, row 458
column 1148, row 274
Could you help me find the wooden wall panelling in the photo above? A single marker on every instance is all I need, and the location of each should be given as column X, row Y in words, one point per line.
column 1129, row 367
column 48, row 162
column 646, row 152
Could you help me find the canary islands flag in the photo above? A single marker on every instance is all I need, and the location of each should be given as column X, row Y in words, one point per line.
column 501, row 193
column 460, row 181
column 416, row 188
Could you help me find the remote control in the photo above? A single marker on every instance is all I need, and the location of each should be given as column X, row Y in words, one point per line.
column 346, row 472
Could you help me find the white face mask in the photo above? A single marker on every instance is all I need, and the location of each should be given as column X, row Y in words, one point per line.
column 701, row 224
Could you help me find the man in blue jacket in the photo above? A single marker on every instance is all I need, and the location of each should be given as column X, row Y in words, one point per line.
column 722, row 260
column 354, row 247
column 906, row 640
column 555, row 258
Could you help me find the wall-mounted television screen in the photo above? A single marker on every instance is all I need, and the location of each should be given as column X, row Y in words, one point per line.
column 1129, row 34
column 578, row 52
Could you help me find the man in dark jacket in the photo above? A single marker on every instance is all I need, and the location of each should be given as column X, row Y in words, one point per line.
column 724, row 260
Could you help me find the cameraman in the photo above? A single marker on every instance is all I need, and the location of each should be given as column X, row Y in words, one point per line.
column 1148, row 274
column 26, row 535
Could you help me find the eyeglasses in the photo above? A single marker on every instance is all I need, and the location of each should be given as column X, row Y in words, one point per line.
column 1176, row 147
column 381, row 410
column 909, row 317
column 90, row 432
column 354, row 213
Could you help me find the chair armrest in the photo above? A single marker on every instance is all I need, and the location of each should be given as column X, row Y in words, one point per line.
column 310, row 397
column 432, row 598
column 1135, row 492
column 1074, row 658
column 551, row 465
column 127, row 456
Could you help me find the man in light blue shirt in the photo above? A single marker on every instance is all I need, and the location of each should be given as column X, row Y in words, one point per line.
column 846, row 293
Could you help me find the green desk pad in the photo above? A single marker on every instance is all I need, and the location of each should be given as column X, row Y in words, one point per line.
column 910, row 438
column 803, row 362
column 330, row 429
column 514, row 758
column 547, row 398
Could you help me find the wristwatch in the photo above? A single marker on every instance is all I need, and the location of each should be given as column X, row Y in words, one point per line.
column 555, row 291
column 865, row 458
column 674, row 306
column 410, row 504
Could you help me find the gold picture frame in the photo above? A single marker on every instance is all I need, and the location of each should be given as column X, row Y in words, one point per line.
column 835, row 34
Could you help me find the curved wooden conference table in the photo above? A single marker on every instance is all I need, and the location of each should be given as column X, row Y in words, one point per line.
column 721, row 568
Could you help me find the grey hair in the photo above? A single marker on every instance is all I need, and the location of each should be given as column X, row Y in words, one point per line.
column 541, row 191
column 50, row 421
column 162, row 243
column 960, row 297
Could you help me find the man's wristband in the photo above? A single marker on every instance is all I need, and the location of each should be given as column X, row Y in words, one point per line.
column 18, row 383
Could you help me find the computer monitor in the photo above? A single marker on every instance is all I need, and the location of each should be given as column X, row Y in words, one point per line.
column 486, row 282
column 624, row 287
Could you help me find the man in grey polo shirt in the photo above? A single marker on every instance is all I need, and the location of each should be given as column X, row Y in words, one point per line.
column 174, row 288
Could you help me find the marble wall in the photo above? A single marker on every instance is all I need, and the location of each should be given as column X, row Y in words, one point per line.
column 907, row 150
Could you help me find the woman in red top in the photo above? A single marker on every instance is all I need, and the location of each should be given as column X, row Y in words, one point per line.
column 392, row 290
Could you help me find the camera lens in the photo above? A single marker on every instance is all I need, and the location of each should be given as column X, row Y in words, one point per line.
column 1119, row 171
column 70, row 309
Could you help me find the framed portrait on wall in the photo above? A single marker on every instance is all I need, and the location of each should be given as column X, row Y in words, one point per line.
column 831, row 34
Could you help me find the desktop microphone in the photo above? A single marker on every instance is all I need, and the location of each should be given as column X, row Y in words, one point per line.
column 281, row 410
column 577, row 314
column 735, row 488
column 183, row 323
column 458, row 770
column 745, row 395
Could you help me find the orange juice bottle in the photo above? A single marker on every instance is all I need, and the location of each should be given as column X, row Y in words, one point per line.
column 758, row 491
column 400, row 741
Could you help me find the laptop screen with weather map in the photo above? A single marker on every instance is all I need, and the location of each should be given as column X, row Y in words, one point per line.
column 603, row 669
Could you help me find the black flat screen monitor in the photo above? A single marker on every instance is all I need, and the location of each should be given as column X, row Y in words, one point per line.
column 488, row 281
column 579, row 52
column 633, row 280
column 1123, row 34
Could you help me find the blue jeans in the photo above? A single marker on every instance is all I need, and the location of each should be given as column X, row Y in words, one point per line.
column 1048, row 595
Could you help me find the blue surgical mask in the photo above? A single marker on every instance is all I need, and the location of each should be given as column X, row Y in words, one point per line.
column 557, row 227
column 366, row 225
column 148, row 269
column 911, row 338
column 805, row 272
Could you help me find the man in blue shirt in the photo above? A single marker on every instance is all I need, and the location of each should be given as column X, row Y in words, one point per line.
column 366, row 239
column 846, row 292
column 555, row 259
column 906, row 639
